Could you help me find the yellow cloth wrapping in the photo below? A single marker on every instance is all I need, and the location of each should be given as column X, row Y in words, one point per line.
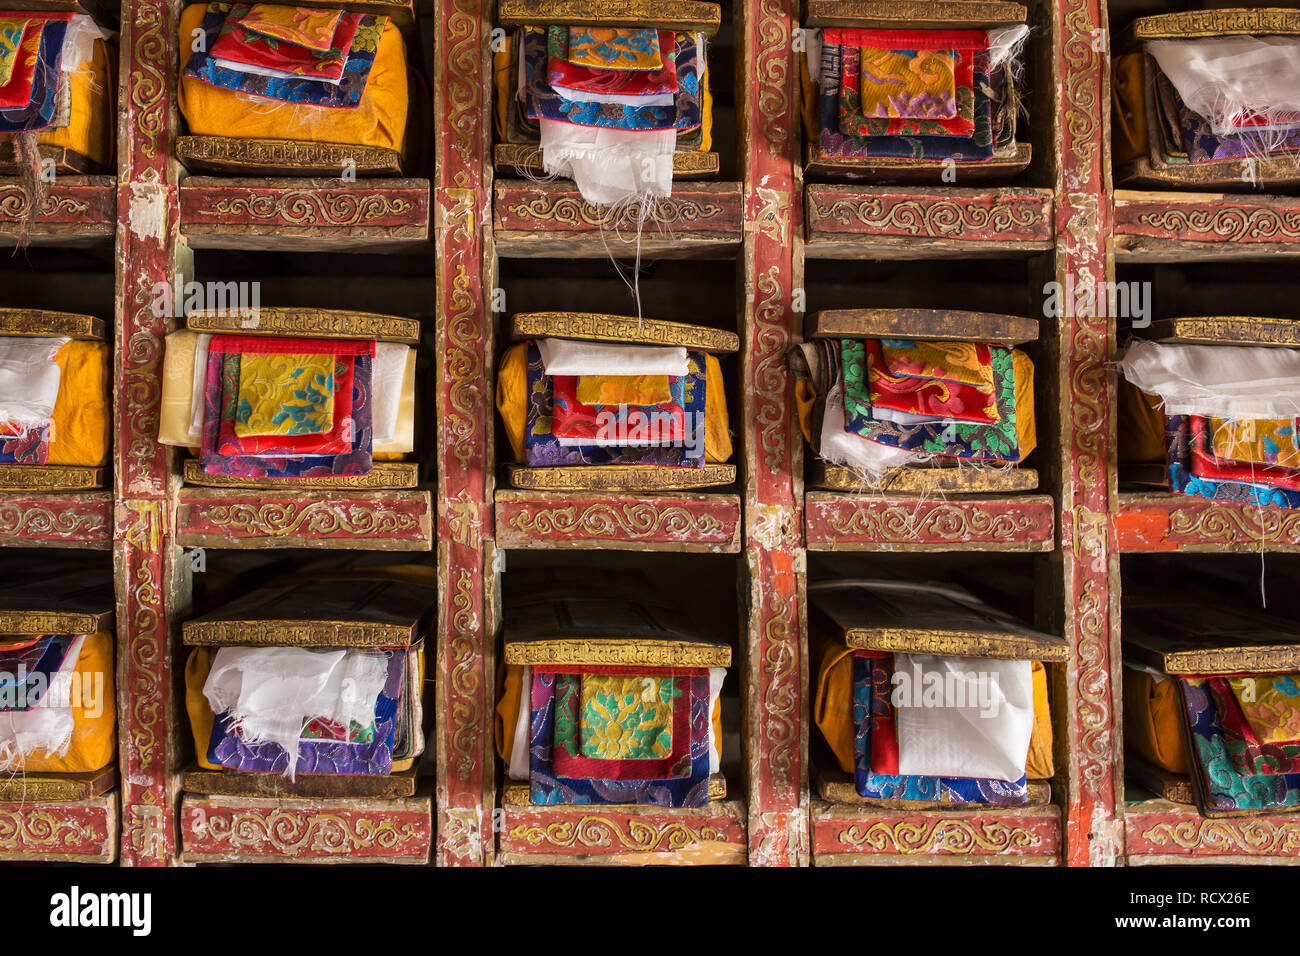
column 1026, row 431
column 1141, row 425
column 270, row 383
column 94, row 738
column 1128, row 109
column 511, row 678
column 833, row 709
column 1152, row 720
column 512, row 403
column 82, row 422
column 623, row 390
column 378, row 120
column 202, row 718
column 178, row 389
column 805, row 399
column 404, row 435
column 92, row 126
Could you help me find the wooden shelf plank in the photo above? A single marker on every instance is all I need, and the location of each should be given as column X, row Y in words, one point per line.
column 915, row 14
column 217, row 829
column 712, row 835
column 1175, row 227
column 84, row 831
column 57, row 520
column 864, row 836
column 238, row 518
column 848, row 522
column 552, row 220
column 1169, row 522
column 1161, row 832
column 77, row 210
column 371, row 215
column 664, row 14
column 861, row 222
column 680, row 523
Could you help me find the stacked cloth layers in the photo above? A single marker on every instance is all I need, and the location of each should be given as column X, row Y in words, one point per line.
column 879, row 404
column 1230, row 416
column 608, row 106
column 57, row 711
column 265, row 71
column 56, row 80
column 304, row 710
column 263, row 406
column 1196, row 101
column 567, row 402
column 54, row 394
column 941, row 95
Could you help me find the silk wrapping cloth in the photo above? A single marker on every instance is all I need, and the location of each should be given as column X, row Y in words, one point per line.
column 567, row 77
column 45, row 728
column 305, row 27
column 1234, row 82
column 1271, row 705
column 241, row 46
column 574, row 422
column 1193, row 472
column 1263, row 441
column 870, row 111
column 575, row 357
column 1153, row 716
column 377, row 119
column 624, row 389
column 614, row 48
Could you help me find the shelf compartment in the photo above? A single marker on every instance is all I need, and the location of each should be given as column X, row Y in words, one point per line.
column 855, row 222
column 222, row 829
column 312, row 214
column 81, row 831
column 235, row 518
column 856, row 522
column 680, row 523
column 77, row 211
column 863, row 836
column 631, row 835
column 552, row 220
column 1162, row 832
column 57, row 520
column 1167, row 522
column 1175, row 227
column 271, row 157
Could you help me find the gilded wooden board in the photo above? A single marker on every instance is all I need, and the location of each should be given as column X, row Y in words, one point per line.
column 920, row 619
column 714, row 834
column 1187, row 636
column 311, row 323
column 1187, row 24
column 627, row 478
column 837, row 787
column 837, row 521
column 517, row 794
column 681, row 522
column 83, row 831
column 1226, row 330
column 1164, row 832
column 383, row 475
column 526, row 159
column 233, row 783
column 57, row 520
column 26, row 788
column 1002, row 166
column 284, row 157
column 596, row 327
column 1176, row 788
column 864, row 836
column 1160, row 226
column 45, row 322
column 1229, row 175
column 1169, row 522
column 924, row 481
column 51, row 478
column 663, row 14
column 937, row 324
column 913, row 14
column 616, row 651
column 283, row 830
column 53, row 621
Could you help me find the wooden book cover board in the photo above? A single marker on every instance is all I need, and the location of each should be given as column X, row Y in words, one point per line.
column 1225, row 330
column 16, row 477
column 619, row 478
column 1001, row 166
column 306, row 323
column 936, row 325
column 71, row 601
column 663, row 14
column 57, row 787
column 602, row 630
column 319, row 613
column 1179, row 635
column 517, row 794
column 622, row 330
column 1193, row 24
column 43, row 322
column 923, row 480
column 284, row 157
column 913, row 14
column 925, row 619
column 234, row 783
column 383, row 476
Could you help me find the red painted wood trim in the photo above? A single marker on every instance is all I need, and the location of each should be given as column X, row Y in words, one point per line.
column 81, row 832
column 1006, row 217
column 890, row 834
column 1187, row 523
column 72, row 520
column 379, row 519
column 712, row 834
column 868, row 522
column 577, row 520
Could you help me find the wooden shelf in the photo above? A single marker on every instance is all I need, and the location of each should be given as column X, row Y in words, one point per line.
column 77, row 211
column 81, row 831
column 915, row 14
column 664, row 522
column 852, row 522
column 54, row 520
column 1176, row 227
column 873, row 222
column 711, row 835
column 1160, row 832
column 845, row 835
column 1151, row 521
column 370, row 215
column 220, row 829
column 244, row 518
column 552, row 220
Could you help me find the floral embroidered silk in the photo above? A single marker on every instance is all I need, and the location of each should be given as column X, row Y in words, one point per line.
column 11, row 38
column 617, row 424
column 1262, row 441
column 614, row 48
column 240, row 44
column 563, row 74
column 1270, row 704
column 627, row 718
column 301, row 26
column 623, row 390
column 941, row 398
column 285, row 394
